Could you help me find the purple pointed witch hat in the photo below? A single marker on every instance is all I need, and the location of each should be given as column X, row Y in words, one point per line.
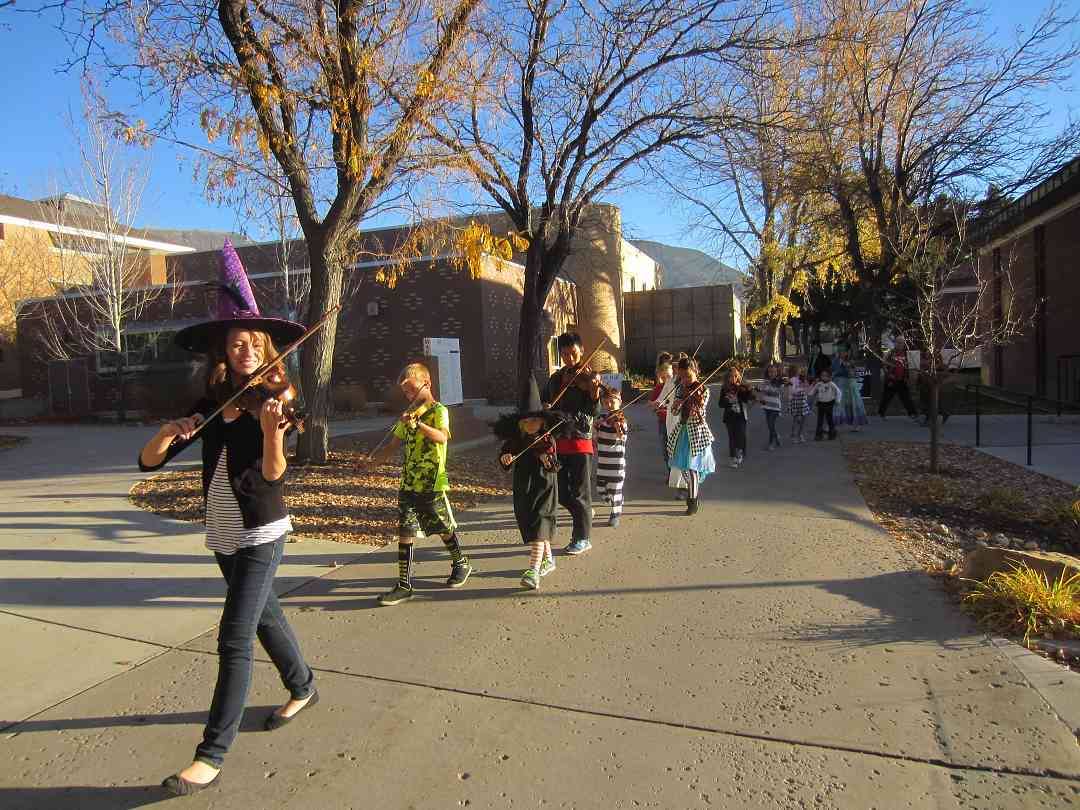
column 236, row 307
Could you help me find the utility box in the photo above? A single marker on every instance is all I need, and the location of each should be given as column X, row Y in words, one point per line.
column 447, row 353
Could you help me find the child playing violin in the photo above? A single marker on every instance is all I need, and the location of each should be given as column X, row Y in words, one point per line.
column 423, row 506
column 529, row 448
column 611, row 431
column 578, row 393
column 247, row 521
column 690, row 442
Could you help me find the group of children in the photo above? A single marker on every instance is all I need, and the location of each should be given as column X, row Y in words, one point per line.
column 797, row 394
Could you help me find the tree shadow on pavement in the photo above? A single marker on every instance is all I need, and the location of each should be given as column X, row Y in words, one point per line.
column 83, row 797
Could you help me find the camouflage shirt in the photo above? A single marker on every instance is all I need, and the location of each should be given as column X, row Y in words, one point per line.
column 424, row 465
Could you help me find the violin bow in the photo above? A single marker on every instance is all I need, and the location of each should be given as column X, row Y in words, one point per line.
column 537, row 439
column 698, row 349
column 583, row 365
column 257, row 376
column 628, row 404
column 702, row 381
column 390, row 432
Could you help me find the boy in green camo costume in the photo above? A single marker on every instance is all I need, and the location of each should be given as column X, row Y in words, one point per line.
column 423, row 506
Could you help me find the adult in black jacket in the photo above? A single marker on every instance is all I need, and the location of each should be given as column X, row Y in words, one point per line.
column 579, row 405
column 243, row 453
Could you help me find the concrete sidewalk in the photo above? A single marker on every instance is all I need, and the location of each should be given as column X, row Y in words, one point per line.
column 1055, row 440
column 773, row 651
column 91, row 586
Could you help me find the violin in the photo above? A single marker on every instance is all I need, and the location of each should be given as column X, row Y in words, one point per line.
column 693, row 402
column 274, row 385
column 584, row 378
column 411, row 418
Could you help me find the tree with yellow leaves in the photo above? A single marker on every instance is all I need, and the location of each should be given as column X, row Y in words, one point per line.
column 749, row 190
column 333, row 94
column 917, row 101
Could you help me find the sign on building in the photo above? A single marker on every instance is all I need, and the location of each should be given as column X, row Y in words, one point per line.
column 448, row 352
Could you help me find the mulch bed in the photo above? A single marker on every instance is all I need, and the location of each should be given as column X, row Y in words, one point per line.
column 974, row 499
column 339, row 501
column 10, row 441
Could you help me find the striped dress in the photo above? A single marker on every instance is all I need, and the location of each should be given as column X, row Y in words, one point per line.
column 610, row 464
column 225, row 532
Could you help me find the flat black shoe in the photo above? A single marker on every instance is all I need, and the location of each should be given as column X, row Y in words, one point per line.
column 276, row 721
column 691, row 506
column 179, row 786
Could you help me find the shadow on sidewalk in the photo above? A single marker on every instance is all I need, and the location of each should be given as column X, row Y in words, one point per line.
column 254, row 718
column 83, row 798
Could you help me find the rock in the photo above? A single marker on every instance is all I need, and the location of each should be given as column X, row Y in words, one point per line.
column 999, row 540
column 1031, row 545
column 982, row 562
column 945, row 530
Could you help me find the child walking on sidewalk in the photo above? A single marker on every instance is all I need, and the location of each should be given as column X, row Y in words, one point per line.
column 735, row 399
column 423, row 506
column 799, row 402
column 770, row 394
column 611, row 430
column 536, row 481
column 825, row 395
column 664, row 376
column 690, row 443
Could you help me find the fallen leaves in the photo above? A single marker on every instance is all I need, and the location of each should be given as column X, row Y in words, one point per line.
column 341, row 501
column 973, row 499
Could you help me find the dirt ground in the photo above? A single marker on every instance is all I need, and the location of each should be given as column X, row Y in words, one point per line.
column 341, row 501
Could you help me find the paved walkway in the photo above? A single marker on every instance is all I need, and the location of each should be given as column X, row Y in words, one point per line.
column 1055, row 441
column 774, row 651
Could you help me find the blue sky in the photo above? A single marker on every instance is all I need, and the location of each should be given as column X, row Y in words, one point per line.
column 38, row 154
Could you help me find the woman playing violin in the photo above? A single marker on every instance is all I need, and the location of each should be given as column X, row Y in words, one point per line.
column 690, row 439
column 247, row 522
column 575, row 392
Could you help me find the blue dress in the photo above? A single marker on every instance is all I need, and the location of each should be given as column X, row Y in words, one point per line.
column 852, row 410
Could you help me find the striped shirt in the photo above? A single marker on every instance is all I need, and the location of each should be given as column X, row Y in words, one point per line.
column 225, row 532
column 611, row 453
column 770, row 396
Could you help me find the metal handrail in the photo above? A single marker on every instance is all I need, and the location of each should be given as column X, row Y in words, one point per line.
column 1030, row 408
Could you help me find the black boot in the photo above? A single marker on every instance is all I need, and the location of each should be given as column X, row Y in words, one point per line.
column 691, row 506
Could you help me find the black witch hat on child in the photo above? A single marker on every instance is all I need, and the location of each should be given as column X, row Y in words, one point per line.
column 508, row 426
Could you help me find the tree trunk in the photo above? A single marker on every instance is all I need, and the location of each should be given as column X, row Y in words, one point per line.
column 121, row 403
column 529, row 330
column 318, row 360
column 770, row 342
column 935, row 390
column 873, row 363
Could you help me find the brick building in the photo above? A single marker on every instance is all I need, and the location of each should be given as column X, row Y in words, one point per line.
column 379, row 329
column 50, row 244
column 1036, row 240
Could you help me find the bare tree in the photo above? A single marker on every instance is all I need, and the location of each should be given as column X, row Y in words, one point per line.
column 963, row 304
column 103, row 280
column 569, row 99
column 333, row 93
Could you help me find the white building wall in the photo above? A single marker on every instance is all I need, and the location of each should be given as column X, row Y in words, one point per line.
column 639, row 270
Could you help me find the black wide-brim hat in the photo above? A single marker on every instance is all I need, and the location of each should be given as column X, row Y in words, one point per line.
column 236, row 309
column 200, row 337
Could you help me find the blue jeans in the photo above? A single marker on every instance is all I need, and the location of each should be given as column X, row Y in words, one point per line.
column 251, row 610
column 770, row 420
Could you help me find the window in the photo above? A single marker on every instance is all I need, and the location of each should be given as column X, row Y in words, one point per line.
column 554, row 361
column 633, row 284
column 144, row 348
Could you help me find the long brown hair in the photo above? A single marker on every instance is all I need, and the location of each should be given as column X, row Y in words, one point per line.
column 219, row 384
